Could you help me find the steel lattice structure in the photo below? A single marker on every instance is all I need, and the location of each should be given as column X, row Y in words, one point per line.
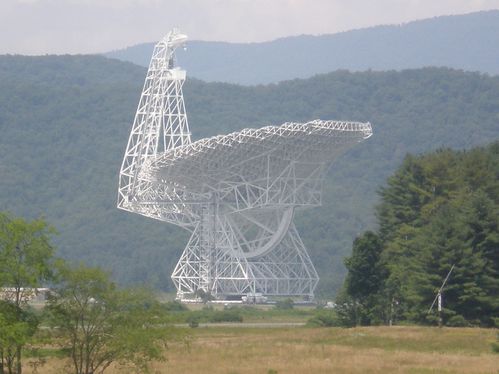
column 235, row 193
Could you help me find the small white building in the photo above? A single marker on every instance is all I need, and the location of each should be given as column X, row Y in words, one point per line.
column 28, row 295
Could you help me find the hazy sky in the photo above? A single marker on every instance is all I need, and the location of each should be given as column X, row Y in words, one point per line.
column 89, row 26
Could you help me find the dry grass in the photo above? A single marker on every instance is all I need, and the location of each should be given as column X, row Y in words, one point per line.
column 415, row 350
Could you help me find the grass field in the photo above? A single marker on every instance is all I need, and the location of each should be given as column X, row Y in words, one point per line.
column 415, row 350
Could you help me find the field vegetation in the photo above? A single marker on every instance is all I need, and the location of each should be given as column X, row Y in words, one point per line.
column 401, row 349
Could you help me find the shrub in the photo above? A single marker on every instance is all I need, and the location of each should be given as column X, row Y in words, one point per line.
column 457, row 321
column 193, row 320
column 175, row 306
column 285, row 304
column 324, row 319
column 226, row 316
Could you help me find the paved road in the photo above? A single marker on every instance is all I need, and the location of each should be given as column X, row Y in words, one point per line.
column 247, row 324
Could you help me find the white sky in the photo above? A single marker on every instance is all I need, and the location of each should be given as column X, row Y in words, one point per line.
column 91, row 26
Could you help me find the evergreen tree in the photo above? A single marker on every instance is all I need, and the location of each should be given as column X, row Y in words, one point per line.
column 365, row 275
column 437, row 211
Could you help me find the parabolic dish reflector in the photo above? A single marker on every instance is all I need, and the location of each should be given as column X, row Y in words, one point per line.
column 211, row 162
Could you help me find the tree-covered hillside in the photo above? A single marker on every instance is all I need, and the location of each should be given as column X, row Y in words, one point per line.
column 467, row 42
column 65, row 123
column 438, row 214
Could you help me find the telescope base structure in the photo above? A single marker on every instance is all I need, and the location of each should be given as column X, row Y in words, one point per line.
column 225, row 272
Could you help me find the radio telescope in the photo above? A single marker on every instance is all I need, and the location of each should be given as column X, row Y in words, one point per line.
column 236, row 194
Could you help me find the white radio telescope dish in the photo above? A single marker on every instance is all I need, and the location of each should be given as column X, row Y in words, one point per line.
column 235, row 193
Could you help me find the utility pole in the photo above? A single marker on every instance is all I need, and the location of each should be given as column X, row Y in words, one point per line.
column 440, row 309
column 439, row 298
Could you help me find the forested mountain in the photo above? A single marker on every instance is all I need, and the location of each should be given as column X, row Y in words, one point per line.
column 467, row 42
column 65, row 120
column 438, row 213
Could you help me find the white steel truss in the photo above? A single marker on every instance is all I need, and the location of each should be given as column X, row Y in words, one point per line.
column 235, row 193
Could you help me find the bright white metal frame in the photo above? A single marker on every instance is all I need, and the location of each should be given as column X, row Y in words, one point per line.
column 235, row 193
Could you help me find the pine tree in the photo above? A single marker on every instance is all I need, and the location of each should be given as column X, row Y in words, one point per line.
column 438, row 211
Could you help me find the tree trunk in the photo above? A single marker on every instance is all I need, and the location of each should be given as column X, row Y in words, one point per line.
column 18, row 359
column 10, row 361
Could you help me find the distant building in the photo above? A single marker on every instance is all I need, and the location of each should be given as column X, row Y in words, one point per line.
column 28, row 295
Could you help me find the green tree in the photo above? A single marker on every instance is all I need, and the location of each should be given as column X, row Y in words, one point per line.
column 478, row 297
column 436, row 211
column 17, row 326
column 26, row 257
column 365, row 278
column 101, row 324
